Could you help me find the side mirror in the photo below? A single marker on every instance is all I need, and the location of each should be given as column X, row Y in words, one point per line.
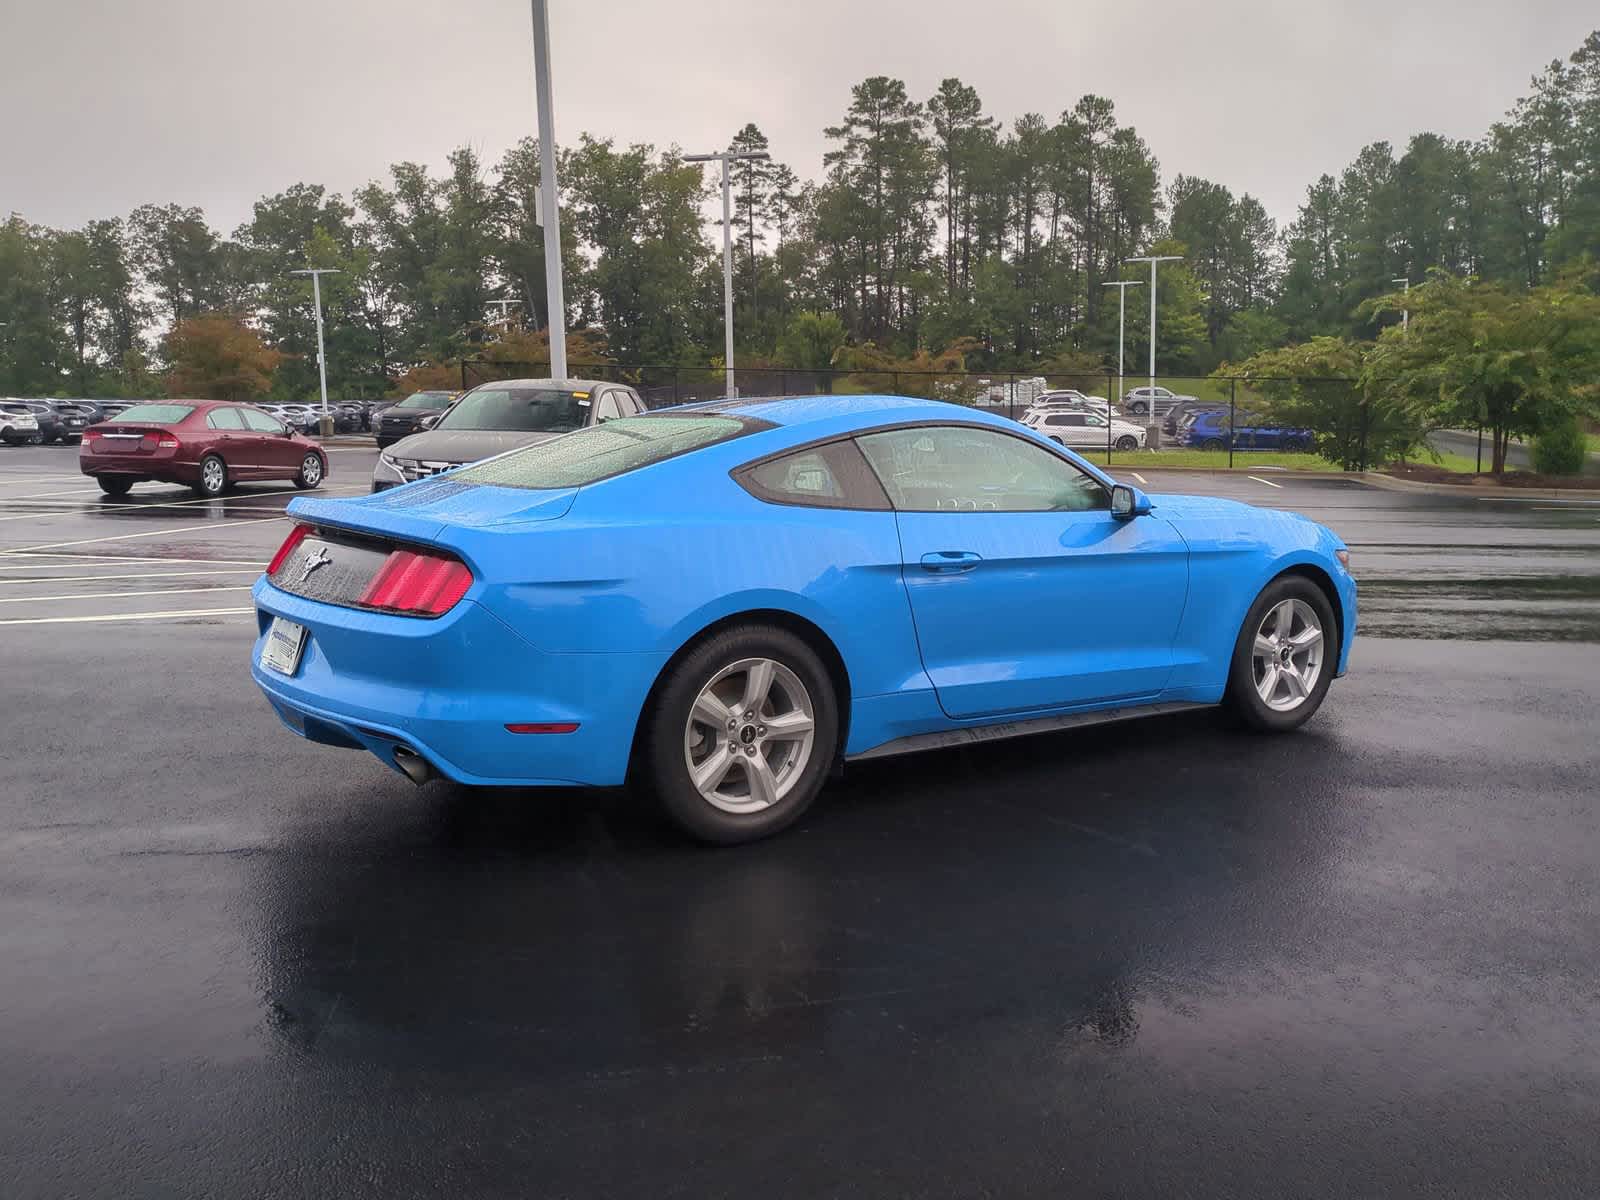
column 429, row 422
column 1128, row 502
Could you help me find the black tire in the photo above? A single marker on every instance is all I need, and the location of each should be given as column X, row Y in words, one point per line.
column 74, row 439
column 1058, row 441
column 662, row 764
column 114, row 485
column 1295, row 445
column 309, row 478
column 1138, row 408
column 1242, row 698
column 1127, row 442
column 218, row 481
column 1212, row 444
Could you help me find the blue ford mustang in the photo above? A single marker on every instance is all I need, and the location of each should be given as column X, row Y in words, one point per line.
column 723, row 601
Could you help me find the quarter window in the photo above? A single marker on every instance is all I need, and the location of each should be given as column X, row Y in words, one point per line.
column 955, row 468
column 830, row 476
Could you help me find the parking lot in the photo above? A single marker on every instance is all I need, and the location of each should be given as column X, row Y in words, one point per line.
column 1161, row 958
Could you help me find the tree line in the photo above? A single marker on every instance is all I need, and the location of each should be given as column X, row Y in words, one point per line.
column 934, row 233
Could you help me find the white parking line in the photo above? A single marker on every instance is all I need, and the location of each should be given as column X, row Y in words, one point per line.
column 139, row 616
column 188, row 591
column 53, row 561
column 214, row 526
column 4, row 579
column 1530, row 500
column 1268, row 482
column 42, row 495
column 1138, row 476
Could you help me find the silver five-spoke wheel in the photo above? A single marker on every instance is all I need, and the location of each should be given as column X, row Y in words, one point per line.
column 311, row 470
column 749, row 735
column 213, row 475
column 1288, row 655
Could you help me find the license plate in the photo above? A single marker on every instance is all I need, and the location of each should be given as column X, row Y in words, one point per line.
column 286, row 642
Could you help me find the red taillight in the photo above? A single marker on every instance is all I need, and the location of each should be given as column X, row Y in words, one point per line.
column 149, row 441
column 296, row 536
column 417, row 582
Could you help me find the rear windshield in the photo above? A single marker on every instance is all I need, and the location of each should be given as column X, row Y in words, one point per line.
column 425, row 400
column 618, row 446
column 519, row 410
column 161, row 414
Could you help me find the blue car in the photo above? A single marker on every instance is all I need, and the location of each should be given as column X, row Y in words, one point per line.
column 1211, row 430
column 722, row 602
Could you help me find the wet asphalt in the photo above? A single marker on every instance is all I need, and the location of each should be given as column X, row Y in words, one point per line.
column 1158, row 959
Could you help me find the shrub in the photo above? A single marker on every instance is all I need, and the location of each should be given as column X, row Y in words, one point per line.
column 1560, row 449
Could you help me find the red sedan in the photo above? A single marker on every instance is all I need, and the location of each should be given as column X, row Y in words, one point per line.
column 206, row 444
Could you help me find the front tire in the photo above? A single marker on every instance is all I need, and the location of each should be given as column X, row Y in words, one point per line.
column 1127, row 442
column 213, row 477
column 741, row 735
column 1212, row 444
column 311, row 472
column 1285, row 656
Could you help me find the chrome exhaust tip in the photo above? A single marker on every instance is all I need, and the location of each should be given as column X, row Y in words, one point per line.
column 413, row 766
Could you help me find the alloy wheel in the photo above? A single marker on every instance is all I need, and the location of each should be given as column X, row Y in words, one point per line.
column 749, row 735
column 212, row 475
column 1288, row 655
column 311, row 470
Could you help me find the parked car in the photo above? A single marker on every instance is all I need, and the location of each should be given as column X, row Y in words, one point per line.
column 51, row 426
column 1070, row 398
column 1143, row 401
column 721, row 602
column 405, row 418
column 495, row 417
column 301, row 417
column 206, row 444
column 349, row 416
column 1211, row 431
column 1087, row 430
column 1179, row 413
column 75, row 416
column 112, row 408
column 18, row 424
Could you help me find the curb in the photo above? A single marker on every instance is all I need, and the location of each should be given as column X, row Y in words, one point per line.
column 1391, row 483
column 1270, row 471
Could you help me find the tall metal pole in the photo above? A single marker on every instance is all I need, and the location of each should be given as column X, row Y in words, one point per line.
column 1154, row 437
column 1405, row 313
column 555, row 295
column 726, row 157
column 1122, row 286
column 316, row 274
column 727, row 278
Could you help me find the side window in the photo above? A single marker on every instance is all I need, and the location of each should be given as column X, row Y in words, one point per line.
column 955, row 468
column 830, row 476
column 608, row 409
column 259, row 421
column 225, row 418
column 632, row 406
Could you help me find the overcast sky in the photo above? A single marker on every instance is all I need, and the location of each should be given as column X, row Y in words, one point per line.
column 217, row 102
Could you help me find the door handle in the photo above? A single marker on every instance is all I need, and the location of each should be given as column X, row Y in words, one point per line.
column 950, row 562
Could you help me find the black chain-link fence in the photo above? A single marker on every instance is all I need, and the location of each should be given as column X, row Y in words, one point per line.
column 1195, row 420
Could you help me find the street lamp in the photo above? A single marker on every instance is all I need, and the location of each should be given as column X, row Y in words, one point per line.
column 555, row 295
column 1154, row 437
column 503, row 305
column 1122, row 286
column 316, row 273
column 725, row 157
column 1405, row 313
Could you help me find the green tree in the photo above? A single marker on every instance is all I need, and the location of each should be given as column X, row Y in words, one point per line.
column 812, row 343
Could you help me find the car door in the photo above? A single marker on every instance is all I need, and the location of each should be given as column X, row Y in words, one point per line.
column 1026, row 593
column 277, row 454
column 226, row 435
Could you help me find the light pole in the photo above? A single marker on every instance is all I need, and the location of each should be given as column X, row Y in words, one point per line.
column 555, row 295
column 1122, row 286
column 324, row 426
column 725, row 157
column 1153, row 436
column 1405, row 313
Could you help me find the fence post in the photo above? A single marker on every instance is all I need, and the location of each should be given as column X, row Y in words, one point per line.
column 676, row 371
column 1233, row 416
column 1110, row 390
column 895, row 385
column 464, row 381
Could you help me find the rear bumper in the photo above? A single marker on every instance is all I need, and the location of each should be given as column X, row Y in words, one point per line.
column 447, row 688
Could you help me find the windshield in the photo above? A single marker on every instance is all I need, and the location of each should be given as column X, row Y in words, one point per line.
column 160, row 414
column 600, row 451
column 425, row 400
column 519, row 410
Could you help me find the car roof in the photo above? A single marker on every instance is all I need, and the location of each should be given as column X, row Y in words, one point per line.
column 792, row 411
column 553, row 385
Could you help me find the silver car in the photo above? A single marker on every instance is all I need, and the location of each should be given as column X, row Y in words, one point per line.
column 505, row 415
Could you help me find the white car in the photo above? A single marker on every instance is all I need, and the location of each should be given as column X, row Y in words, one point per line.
column 1142, row 401
column 1086, row 430
column 1066, row 399
column 18, row 424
